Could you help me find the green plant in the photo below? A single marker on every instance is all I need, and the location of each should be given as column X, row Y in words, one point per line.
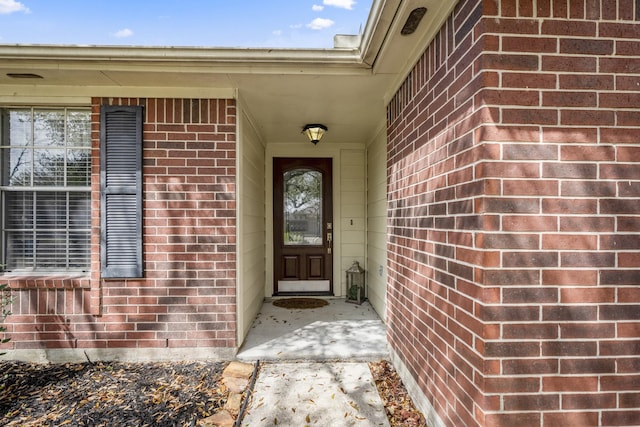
column 353, row 293
column 5, row 310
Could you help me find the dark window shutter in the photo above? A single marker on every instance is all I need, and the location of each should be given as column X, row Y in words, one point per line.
column 121, row 191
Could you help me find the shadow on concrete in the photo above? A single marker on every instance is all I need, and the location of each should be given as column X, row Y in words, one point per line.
column 338, row 331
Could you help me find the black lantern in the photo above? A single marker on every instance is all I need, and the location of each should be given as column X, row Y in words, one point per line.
column 356, row 291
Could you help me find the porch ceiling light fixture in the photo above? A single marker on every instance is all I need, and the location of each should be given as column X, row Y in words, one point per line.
column 314, row 132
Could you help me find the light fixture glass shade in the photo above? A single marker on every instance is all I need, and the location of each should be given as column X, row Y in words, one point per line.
column 314, row 132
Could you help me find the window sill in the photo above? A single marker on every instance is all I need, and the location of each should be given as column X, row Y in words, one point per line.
column 47, row 281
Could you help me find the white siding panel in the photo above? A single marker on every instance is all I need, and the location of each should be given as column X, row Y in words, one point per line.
column 377, row 223
column 352, row 210
column 252, row 229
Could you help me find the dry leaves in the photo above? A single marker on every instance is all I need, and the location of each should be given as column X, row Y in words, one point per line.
column 145, row 394
column 401, row 411
column 106, row 394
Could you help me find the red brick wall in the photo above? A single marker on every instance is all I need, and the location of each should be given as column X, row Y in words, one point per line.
column 514, row 215
column 188, row 296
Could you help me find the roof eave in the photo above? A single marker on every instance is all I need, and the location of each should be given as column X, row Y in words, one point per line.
column 145, row 54
column 358, row 56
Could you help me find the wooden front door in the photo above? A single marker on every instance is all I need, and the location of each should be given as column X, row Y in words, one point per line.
column 302, row 226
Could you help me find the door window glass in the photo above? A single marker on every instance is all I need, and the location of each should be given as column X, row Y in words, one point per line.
column 302, row 207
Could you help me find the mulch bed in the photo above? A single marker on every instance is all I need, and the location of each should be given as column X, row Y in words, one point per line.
column 300, row 303
column 399, row 406
column 109, row 394
column 144, row 394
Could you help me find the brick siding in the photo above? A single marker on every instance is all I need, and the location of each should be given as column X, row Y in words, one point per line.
column 514, row 215
column 187, row 298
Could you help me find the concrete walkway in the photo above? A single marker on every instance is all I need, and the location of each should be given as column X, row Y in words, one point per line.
column 313, row 366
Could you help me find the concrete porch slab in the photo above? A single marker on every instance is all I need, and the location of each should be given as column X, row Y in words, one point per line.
column 338, row 331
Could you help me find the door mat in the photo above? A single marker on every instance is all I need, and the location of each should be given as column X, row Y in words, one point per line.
column 300, row 303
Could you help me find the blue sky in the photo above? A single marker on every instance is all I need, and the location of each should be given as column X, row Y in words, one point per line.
column 210, row 23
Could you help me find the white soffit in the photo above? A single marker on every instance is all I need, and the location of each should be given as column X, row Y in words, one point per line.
column 399, row 53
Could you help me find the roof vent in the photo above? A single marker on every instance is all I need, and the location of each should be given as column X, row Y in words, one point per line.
column 24, row 76
column 413, row 20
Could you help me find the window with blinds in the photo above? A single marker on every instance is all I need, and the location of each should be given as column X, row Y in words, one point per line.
column 45, row 156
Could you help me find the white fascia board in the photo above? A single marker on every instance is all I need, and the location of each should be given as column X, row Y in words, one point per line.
column 144, row 55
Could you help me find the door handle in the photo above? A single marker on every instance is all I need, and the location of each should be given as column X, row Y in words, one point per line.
column 329, row 237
